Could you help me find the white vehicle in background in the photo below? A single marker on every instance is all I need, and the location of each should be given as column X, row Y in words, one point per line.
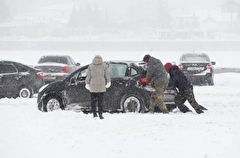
column 56, row 67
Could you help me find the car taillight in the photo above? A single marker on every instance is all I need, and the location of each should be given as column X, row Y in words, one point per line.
column 143, row 80
column 209, row 66
column 180, row 66
column 40, row 74
column 65, row 69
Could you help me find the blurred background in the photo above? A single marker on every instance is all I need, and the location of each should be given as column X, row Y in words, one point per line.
column 164, row 25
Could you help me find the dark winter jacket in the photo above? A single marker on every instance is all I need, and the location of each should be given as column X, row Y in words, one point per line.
column 97, row 75
column 178, row 79
column 156, row 72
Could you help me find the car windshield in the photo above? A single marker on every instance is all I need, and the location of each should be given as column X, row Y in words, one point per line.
column 194, row 57
column 53, row 59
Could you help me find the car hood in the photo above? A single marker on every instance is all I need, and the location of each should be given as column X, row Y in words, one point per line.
column 53, row 87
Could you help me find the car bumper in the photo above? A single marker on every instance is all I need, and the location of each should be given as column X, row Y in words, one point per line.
column 54, row 77
column 199, row 78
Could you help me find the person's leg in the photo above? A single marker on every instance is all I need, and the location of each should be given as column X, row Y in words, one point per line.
column 93, row 103
column 179, row 101
column 192, row 101
column 100, row 106
column 160, row 98
column 153, row 102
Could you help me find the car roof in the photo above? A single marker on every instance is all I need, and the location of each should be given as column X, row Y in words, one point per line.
column 128, row 62
column 17, row 63
column 201, row 54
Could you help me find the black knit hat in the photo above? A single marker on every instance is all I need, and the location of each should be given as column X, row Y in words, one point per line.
column 146, row 58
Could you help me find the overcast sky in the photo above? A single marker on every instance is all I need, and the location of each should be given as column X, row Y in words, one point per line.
column 21, row 6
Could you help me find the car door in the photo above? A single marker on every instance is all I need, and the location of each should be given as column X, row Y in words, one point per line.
column 119, row 84
column 9, row 79
column 76, row 93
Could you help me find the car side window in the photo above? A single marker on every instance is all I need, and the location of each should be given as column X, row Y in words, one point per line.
column 81, row 75
column 71, row 61
column 133, row 72
column 22, row 68
column 117, row 70
column 7, row 68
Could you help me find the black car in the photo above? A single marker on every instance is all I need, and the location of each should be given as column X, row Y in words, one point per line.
column 56, row 67
column 126, row 93
column 198, row 68
column 19, row 80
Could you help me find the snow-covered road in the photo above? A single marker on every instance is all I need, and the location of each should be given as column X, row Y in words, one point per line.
column 26, row 132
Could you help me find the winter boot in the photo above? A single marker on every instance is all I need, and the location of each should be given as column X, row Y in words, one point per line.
column 100, row 116
column 184, row 108
column 95, row 114
column 199, row 110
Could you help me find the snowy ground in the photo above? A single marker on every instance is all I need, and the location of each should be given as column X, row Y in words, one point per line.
column 26, row 132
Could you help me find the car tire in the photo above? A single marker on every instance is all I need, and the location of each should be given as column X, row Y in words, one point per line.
column 25, row 92
column 131, row 103
column 210, row 82
column 52, row 103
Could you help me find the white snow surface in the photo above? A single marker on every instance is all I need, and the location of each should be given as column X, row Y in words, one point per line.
column 25, row 132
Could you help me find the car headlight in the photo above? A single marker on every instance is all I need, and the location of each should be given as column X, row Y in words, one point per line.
column 42, row 88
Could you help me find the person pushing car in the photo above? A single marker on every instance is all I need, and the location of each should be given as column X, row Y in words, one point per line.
column 185, row 89
column 157, row 77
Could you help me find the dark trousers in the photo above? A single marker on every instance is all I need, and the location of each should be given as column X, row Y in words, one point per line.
column 97, row 98
column 186, row 95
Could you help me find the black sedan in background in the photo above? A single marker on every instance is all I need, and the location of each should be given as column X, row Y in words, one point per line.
column 19, row 80
column 126, row 93
column 198, row 68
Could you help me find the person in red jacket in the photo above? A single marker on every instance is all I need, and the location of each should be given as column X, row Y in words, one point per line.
column 185, row 89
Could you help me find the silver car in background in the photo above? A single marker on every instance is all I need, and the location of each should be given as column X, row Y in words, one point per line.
column 56, row 67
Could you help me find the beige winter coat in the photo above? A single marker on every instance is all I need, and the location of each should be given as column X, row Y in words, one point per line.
column 97, row 75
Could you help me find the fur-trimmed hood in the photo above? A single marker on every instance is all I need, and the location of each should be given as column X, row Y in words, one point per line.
column 97, row 60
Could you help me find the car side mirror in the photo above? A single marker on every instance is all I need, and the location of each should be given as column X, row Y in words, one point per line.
column 78, row 64
column 72, row 80
column 213, row 63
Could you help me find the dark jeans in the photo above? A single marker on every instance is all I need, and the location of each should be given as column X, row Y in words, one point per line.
column 97, row 98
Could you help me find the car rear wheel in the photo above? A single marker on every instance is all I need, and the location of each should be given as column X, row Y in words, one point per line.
column 25, row 92
column 52, row 103
column 131, row 103
column 210, row 82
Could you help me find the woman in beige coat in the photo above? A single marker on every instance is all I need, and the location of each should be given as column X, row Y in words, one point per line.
column 97, row 80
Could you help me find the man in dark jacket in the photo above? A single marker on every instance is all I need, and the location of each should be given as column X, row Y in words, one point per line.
column 185, row 89
column 157, row 77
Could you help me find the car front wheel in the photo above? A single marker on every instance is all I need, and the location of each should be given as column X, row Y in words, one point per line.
column 25, row 92
column 131, row 103
column 52, row 103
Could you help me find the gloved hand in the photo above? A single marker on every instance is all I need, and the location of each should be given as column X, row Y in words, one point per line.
column 87, row 86
column 108, row 84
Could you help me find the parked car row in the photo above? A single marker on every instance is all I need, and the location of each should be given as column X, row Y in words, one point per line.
column 20, row 80
column 60, row 83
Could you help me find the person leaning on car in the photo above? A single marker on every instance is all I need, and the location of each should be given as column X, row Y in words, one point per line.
column 185, row 89
column 157, row 77
column 97, row 80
